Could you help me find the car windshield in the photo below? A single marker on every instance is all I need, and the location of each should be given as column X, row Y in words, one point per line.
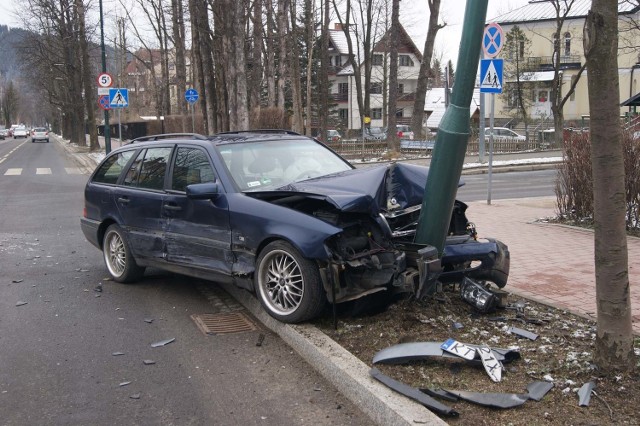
column 376, row 130
column 265, row 165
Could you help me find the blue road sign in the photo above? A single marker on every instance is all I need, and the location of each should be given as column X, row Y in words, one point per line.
column 118, row 97
column 191, row 96
column 491, row 75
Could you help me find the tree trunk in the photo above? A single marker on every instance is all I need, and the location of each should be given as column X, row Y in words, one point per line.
column 90, row 105
column 614, row 341
column 393, row 142
column 177, row 21
column 310, row 44
column 270, row 57
column 283, row 6
column 256, row 62
column 324, row 74
column 297, row 124
column 425, row 68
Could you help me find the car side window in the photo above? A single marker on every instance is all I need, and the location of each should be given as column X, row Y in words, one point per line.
column 111, row 169
column 153, row 168
column 131, row 178
column 191, row 166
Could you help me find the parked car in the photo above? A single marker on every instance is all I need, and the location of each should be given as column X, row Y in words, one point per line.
column 3, row 133
column 334, row 136
column 275, row 213
column 20, row 132
column 502, row 133
column 404, row 132
column 39, row 134
column 375, row 133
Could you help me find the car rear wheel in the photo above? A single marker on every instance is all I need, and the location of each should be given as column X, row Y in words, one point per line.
column 118, row 258
column 288, row 285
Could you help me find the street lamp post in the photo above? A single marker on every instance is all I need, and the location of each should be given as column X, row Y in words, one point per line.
column 107, row 129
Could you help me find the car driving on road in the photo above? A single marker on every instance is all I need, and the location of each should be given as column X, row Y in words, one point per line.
column 39, row 134
column 20, row 132
column 276, row 213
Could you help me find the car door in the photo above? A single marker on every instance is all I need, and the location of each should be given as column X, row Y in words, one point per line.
column 139, row 201
column 197, row 232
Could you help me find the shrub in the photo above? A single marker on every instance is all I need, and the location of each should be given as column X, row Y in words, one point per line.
column 574, row 183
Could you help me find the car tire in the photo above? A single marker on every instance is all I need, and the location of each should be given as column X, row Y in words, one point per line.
column 118, row 257
column 288, row 285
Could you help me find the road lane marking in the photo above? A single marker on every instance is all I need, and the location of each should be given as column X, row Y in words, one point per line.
column 43, row 171
column 13, row 172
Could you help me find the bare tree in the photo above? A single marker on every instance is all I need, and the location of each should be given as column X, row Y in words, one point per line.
column 614, row 341
column 177, row 21
column 297, row 123
column 255, row 74
column 558, row 99
column 516, row 49
column 90, row 105
column 324, row 72
column 393, row 142
column 423, row 76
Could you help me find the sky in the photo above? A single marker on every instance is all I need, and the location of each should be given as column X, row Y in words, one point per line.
column 414, row 15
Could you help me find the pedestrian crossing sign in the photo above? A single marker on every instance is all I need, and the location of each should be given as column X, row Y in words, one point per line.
column 491, row 75
column 118, row 97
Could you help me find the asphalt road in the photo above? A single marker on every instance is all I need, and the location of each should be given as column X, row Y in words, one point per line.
column 536, row 183
column 59, row 361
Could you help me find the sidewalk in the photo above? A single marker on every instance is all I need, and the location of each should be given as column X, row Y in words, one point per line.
column 550, row 263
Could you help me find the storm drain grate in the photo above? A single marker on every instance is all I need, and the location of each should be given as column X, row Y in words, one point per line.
column 223, row 323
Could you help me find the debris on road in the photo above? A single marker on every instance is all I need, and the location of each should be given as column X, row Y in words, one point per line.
column 16, row 281
column 117, row 353
column 21, row 303
column 148, row 320
column 537, row 390
column 162, row 343
column 492, row 366
column 124, row 384
column 491, row 399
column 460, row 349
column 148, row 362
column 135, row 396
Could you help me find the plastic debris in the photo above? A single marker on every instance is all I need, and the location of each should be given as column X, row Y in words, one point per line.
column 135, row 396
column 117, row 353
column 124, row 384
column 148, row 362
column 417, row 351
column 162, row 342
column 584, row 394
column 492, row 366
column 148, row 320
column 21, row 303
column 489, row 399
column 260, row 339
column 413, row 393
column 440, row 393
column 16, row 281
column 523, row 333
column 537, row 390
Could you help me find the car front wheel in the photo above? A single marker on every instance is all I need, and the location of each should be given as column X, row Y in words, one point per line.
column 288, row 285
column 118, row 258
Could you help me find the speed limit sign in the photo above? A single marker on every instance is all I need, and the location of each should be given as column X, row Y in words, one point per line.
column 105, row 80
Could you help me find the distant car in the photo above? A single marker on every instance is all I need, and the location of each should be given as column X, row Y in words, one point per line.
column 333, row 136
column 502, row 133
column 39, row 134
column 375, row 134
column 404, row 132
column 20, row 132
column 3, row 133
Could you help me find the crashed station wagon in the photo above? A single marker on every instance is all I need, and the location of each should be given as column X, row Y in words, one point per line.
column 278, row 214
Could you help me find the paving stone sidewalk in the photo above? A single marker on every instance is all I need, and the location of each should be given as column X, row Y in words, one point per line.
column 550, row 263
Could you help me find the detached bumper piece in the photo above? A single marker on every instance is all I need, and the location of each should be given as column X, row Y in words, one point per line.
column 413, row 393
column 480, row 260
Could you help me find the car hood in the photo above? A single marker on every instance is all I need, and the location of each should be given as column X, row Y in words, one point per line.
column 365, row 190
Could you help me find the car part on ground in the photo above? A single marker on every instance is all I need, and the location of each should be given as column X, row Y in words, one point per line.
column 419, row 351
column 537, row 390
column 491, row 399
column 414, row 394
column 584, row 394
column 260, row 208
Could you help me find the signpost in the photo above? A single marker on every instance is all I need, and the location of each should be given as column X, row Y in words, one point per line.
column 491, row 82
column 103, row 102
column 105, row 80
column 191, row 96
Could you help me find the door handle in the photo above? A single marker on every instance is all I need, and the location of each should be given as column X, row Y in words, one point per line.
column 124, row 200
column 172, row 207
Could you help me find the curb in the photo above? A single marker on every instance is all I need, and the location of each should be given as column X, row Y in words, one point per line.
column 342, row 369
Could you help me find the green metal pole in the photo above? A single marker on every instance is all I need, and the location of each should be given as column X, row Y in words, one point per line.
column 453, row 135
column 107, row 129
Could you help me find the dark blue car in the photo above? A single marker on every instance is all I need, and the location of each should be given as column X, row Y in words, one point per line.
column 275, row 213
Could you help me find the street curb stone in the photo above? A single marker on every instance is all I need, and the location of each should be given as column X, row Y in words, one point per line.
column 342, row 369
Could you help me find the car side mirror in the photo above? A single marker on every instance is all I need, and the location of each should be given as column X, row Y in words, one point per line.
column 203, row 191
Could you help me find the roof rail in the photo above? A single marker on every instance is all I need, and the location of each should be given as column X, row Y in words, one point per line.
column 169, row 136
column 274, row 131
